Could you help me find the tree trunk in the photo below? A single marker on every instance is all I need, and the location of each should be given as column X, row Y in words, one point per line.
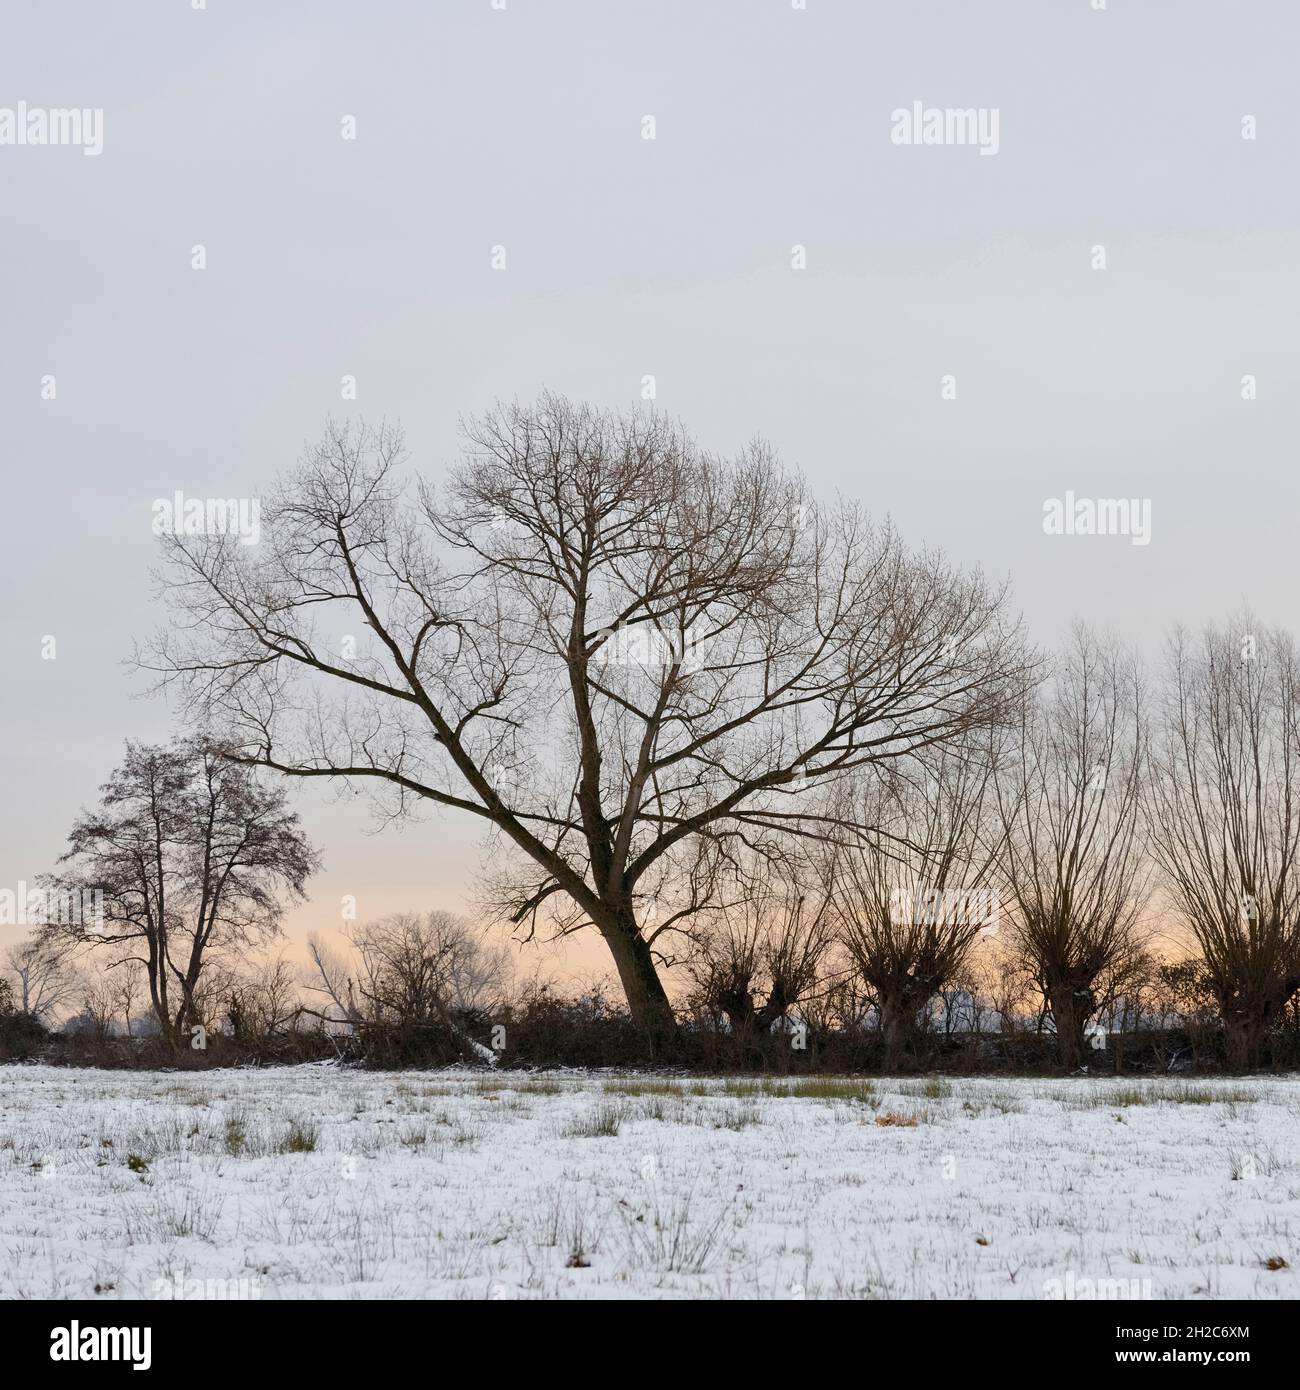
column 647, row 1000
column 895, row 1029
column 1069, row 1020
column 158, row 1000
column 1245, row 1026
column 1237, row 1043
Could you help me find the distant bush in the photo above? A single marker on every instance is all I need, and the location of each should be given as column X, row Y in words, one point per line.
column 391, row 1046
column 543, row 1029
column 21, row 1036
column 154, row 1053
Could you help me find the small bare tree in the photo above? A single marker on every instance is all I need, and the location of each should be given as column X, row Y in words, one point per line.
column 44, row 974
column 98, row 1009
column 602, row 643
column 127, row 981
column 1225, row 815
column 915, row 893
column 193, row 857
column 261, row 1000
column 1074, row 865
column 410, row 970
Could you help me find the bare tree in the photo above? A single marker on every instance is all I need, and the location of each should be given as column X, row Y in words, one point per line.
column 261, row 1000
column 45, row 975
column 98, row 1009
column 1074, row 863
column 409, row 969
column 1225, row 814
column 330, row 976
column 916, row 891
column 605, row 645
column 194, row 858
column 129, row 987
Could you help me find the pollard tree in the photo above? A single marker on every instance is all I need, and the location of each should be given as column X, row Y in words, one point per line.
column 758, row 950
column 1074, row 857
column 914, row 894
column 615, row 651
column 1225, row 813
column 195, row 859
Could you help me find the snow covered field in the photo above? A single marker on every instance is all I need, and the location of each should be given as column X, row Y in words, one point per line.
column 307, row 1181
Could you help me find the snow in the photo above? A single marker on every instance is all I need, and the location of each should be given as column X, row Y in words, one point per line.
column 457, row 1184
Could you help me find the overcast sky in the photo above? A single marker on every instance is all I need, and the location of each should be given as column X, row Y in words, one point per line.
column 628, row 257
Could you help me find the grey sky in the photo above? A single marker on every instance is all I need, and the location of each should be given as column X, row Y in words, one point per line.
column 628, row 257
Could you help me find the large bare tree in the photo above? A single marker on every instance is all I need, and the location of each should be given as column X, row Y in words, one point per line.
column 1225, row 813
column 1074, row 862
column 917, row 889
column 195, row 859
column 612, row 649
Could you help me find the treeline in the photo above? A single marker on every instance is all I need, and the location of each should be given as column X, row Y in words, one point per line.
column 431, row 990
column 804, row 782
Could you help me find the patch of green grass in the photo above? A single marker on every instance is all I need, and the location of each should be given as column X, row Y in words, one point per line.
column 931, row 1088
column 737, row 1117
column 542, row 1086
column 525, row 1086
column 1128, row 1095
column 663, row 1108
column 741, row 1087
column 300, row 1138
column 745, row 1088
column 848, row 1088
column 1156, row 1094
column 236, row 1135
column 602, row 1123
column 1210, row 1095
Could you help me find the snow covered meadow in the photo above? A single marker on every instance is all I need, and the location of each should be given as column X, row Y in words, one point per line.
column 311, row 1181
